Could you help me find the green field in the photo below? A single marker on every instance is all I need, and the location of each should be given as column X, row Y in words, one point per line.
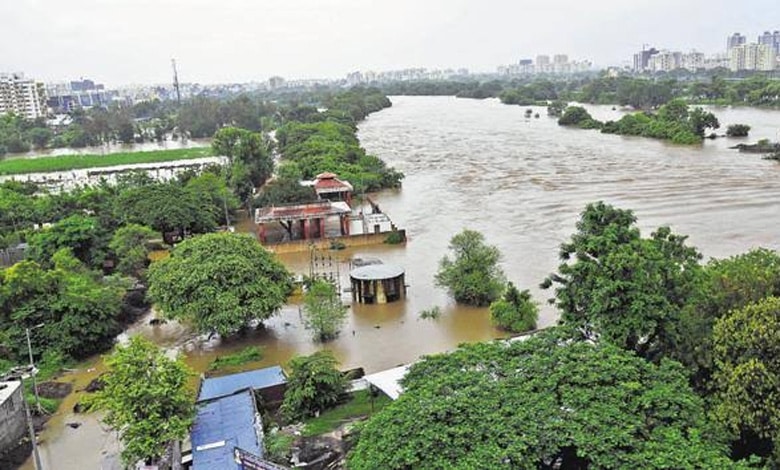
column 74, row 162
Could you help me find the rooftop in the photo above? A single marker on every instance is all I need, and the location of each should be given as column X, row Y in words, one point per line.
column 389, row 380
column 222, row 425
column 259, row 379
column 374, row 272
column 329, row 182
column 301, row 211
column 7, row 389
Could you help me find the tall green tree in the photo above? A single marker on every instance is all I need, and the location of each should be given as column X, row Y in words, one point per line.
column 83, row 235
column 146, row 399
column 78, row 308
column 727, row 284
column 473, row 275
column 315, row 384
column 544, row 403
column 130, row 245
column 220, row 282
column 247, row 148
column 747, row 376
column 323, row 312
column 615, row 285
column 166, row 207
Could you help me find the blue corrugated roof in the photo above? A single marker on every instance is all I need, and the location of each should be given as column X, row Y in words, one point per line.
column 229, row 384
column 230, row 420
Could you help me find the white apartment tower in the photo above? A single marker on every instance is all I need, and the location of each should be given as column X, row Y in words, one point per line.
column 22, row 96
column 752, row 57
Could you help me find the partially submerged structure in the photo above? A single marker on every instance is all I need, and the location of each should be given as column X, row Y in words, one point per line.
column 333, row 216
column 378, row 283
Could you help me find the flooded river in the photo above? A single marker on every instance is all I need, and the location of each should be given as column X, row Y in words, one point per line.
column 522, row 182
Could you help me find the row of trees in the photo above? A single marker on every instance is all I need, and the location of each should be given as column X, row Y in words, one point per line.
column 647, row 92
column 674, row 121
column 660, row 361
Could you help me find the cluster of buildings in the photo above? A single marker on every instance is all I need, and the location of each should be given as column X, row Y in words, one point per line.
column 68, row 96
column 740, row 55
column 33, row 99
column 761, row 55
column 558, row 64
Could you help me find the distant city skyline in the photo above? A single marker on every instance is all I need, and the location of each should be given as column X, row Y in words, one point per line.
column 132, row 41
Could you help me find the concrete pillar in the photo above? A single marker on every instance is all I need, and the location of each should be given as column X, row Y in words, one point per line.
column 308, row 229
column 322, row 227
column 304, row 228
column 261, row 232
column 381, row 298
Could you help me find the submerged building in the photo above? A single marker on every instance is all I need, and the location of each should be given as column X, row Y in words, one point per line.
column 378, row 284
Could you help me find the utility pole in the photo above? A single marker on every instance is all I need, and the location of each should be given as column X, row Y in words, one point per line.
column 176, row 83
column 32, row 368
column 36, row 456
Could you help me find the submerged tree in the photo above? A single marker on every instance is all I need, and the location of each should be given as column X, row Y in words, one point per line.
column 323, row 312
column 146, row 400
column 516, row 311
column 220, row 282
column 473, row 275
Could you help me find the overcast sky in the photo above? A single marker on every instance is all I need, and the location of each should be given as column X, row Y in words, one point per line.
column 132, row 41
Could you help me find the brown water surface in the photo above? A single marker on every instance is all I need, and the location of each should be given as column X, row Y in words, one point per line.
column 522, row 182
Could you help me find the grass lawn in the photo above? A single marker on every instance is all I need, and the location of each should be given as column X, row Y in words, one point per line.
column 360, row 405
column 74, row 162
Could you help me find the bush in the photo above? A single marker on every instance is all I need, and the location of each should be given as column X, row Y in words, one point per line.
column 395, row 238
column 432, row 313
column 278, row 447
column 738, row 130
column 246, row 355
column 516, row 311
column 575, row 116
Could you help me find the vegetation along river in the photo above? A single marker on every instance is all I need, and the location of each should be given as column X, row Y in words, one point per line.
column 522, row 182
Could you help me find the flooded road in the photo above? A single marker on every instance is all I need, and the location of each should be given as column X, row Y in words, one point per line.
column 522, row 182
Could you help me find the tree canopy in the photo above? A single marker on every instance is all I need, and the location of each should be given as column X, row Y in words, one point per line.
column 617, row 286
column 146, row 399
column 79, row 309
column 545, row 402
column 220, row 282
column 473, row 275
column 314, row 385
column 747, row 373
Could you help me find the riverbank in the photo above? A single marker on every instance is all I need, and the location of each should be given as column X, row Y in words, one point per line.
column 76, row 162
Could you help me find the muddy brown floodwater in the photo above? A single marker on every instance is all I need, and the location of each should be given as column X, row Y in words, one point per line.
column 522, row 182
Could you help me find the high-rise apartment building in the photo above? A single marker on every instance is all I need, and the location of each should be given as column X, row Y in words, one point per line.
column 760, row 57
column 735, row 40
column 771, row 39
column 642, row 59
column 22, row 96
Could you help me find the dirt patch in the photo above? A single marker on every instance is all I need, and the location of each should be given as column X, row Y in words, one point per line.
column 56, row 390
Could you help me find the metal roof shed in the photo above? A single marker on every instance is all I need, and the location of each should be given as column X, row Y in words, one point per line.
column 257, row 380
column 222, row 425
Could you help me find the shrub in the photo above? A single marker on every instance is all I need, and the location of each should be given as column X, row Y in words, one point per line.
column 738, row 130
